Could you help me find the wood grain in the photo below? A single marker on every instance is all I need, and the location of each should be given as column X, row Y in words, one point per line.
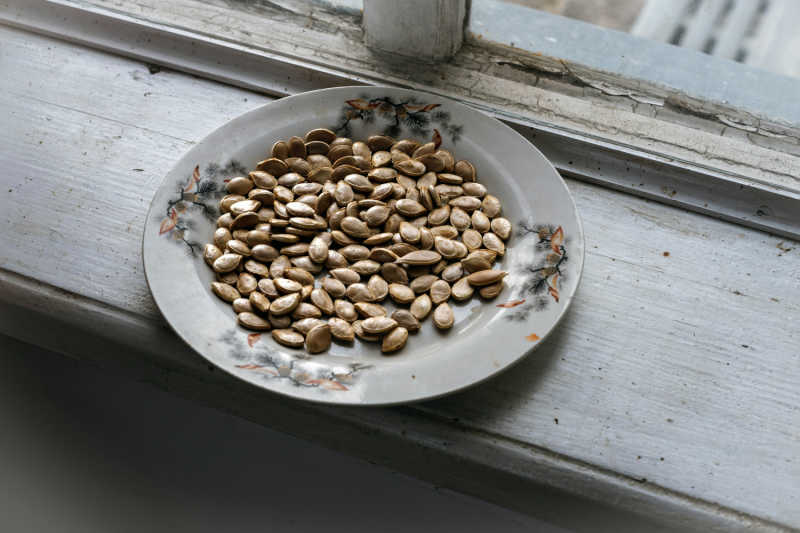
column 677, row 369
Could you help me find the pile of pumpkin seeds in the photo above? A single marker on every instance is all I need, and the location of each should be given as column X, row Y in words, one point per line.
column 384, row 218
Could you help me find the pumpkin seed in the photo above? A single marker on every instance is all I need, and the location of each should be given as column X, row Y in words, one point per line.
column 242, row 305
column 306, row 310
column 246, row 283
column 395, row 340
column 345, row 275
column 402, row 294
column 355, row 227
column 421, row 306
column 377, row 215
column 443, row 316
column 288, row 337
column 453, row 272
column 318, row 339
column 224, row 291
column 462, row 290
column 359, row 292
column 253, row 322
column 320, row 134
column 439, row 216
column 341, row 330
column 239, row 185
column 492, row 242
column 485, row 277
column 440, row 291
column 267, row 286
column 447, row 232
column 345, row 310
column 285, row 304
column 229, row 278
column 420, row 257
column 303, row 277
column 335, row 260
column 245, row 220
column 382, row 255
column 472, row 239
column 409, row 232
column 263, row 180
column 359, row 183
column 405, row 319
column 378, row 325
column 410, row 208
column 381, row 158
column 501, row 227
column 367, row 309
column 259, row 302
column 279, row 322
column 286, row 286
column 378, row 287
column 304, row 325
column 333, row 287
column 211, row 253
column 363, row 335
column 226, row 262
column 465, row 169
column 491, row 291
column 322, row 300
column 394, row 273
column 423, row 283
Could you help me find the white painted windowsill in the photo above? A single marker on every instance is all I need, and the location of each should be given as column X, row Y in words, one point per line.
column 667, row 398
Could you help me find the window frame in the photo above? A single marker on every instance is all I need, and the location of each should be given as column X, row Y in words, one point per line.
column 733, row 185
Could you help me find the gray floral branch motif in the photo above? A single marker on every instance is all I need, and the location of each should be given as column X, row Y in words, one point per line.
column 416, row 116
column 542, row 277
column 197, row 194
column 279, row 365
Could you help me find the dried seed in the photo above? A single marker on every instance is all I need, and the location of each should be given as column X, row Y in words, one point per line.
column 423, row 283
column 409, row 232
column 226, row 262
column 280, row 150
column 474, row 189
column 295, row 250
column 256, row 268
column 285, row 304
column 453, row 272
column 395, row 340
column 339, row 151
column 393, row 223
column 379, row 142
column 450, row 179
column 261, row 195
column 394, row 273
column 227, row 201
column 462, row 290
column 286, row 285
column 246, row 283
column 225, row 221
column 378, row 287
column 300, row 275
column 320, row 134
column 367, row 310
column 426, row 238
column 447, row 157
column 485, row 277
column 421, row 306
column 501, row 227
column 405, row 319
column 448, row 192
column 382, row 255
column 439, row 216
column 333, row 287
column 288, row 337
column 300, row 209
column 355, row 227
column 420, row 257
column 343, row 194
column 491, row 206
column 406, row 183
column 242, row 305
column 255, row 237
column 438, row 267
column 264, row 252
column 245, row 220
column 229, row 278
column 263, row 180
column 253, row 322
column 358, row 292
column 402, row 294
column 378, row 325
column 493, row 243
column 467, row 203
column 465, row 169
column 359, row 183
column 410, row 208
column 363, row 335
column 304, row 325
column 472, row 239
column 443, row 316
column 318, row 339
column 211, row 253
column 382, row 191
column 318, row 250
column 306, row 310
column 345, row 275
column 341, row 329
column 432, row 162
column 274, row 166
column 477, row 261
column 491, row 291
column 365, row 266
column 440, row 291
column 221, row 237
column 279, row 266
column 224, row 291
column 345, row 310
column 267, row 286
column 237, row 247
column 450, row 249
column 406, row 146
column 381, row 158
column 317, row 147
column 446, row 232
column 259, row 302
column 321, row 299
column 305, row 292
column 320, row 174
column 335, row 260
column 239, row 185
column 341, row 238
column 480, row 221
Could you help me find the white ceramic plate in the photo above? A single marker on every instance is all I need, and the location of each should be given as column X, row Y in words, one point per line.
column 544, row 257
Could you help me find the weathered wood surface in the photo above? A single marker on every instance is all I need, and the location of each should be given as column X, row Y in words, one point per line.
column 674, row 377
